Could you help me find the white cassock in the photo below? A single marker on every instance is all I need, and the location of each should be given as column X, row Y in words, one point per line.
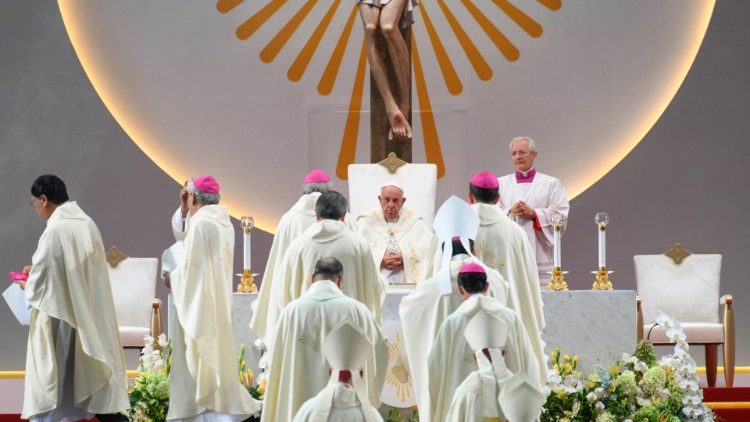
column 75, row 365
column 421, row 314
column 203, row 382
column 297, row 369
column 503, row 245
column 292, row 224
column 344, row 407
column 327, row 238
column 451, row 359
column 409, row 236
column 547, row 196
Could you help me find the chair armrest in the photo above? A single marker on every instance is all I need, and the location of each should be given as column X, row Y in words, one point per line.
column 638, row 320
column 726, row 300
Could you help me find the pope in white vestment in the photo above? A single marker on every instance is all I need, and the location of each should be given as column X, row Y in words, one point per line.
column 502, row 244
column 451, row 359
column 75, row 366
column 329, row 237
column 297, row 368
column 433, row 300
column 291, row 226
column 534, row 200
column 204, row 384
column 403, row 246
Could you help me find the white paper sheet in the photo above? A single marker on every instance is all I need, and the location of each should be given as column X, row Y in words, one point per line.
column 15, row 297
column 172, row 257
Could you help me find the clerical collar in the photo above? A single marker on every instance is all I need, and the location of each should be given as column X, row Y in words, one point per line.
column 525, row 176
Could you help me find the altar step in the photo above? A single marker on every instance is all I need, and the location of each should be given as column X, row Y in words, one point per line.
column 729, row 404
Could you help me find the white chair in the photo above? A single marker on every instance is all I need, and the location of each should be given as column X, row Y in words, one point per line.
column 418, row 180
column 686, row 287
column 133, row 290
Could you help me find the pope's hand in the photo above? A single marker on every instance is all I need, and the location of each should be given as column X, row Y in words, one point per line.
column 393, row 261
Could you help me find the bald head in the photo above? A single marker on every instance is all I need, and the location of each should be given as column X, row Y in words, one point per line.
column 329, row 268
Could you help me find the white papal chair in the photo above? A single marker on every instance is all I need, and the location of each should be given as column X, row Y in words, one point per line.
column 686, row 287
column 133, row 283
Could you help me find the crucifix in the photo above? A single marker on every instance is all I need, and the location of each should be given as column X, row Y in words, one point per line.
column 387, row 26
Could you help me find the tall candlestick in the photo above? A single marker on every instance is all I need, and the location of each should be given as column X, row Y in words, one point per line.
column 247, row 224
column 557, row 263
column 602, row 246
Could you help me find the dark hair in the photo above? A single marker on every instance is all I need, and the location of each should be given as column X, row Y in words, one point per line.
column 329, row 267
column 331, row 205
column 484, row 195
column 458, row 247
column 473, row 282
column 50, row 186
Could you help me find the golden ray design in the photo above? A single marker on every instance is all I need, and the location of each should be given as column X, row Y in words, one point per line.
column 277, row 43
column 450, row 76
column 396, row 375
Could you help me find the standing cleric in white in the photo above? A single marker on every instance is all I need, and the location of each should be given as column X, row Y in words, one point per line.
column 533, row 199
column 75, row 366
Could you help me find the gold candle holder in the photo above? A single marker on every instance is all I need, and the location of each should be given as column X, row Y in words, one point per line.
column 247, row 283
column 601, row 279
column 557, row 281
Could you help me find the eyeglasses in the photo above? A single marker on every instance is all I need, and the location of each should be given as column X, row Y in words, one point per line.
column 31, row 202
column 520, row 153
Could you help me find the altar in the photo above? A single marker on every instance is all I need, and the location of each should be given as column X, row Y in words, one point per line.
column 598, row 326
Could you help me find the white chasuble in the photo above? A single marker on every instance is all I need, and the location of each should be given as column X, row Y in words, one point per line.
column 203, row 377
column 68, row 288
column 339, row 401
column 327, row 238
column 451, row 359
column 546, row 195
column 297, row 368
column 503, row 245
column 409, row 236
column 421, row 314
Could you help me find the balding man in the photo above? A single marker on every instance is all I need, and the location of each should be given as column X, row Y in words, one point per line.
column 403, row 246
column 533, row 199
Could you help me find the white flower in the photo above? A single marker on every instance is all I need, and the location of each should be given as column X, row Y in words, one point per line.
column 599, row 392
column 599, row 407
column 591, row 397
column 259, row 344
column 640, row 366
column 163, row 342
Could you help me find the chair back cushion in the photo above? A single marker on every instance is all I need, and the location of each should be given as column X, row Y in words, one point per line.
column 688, row 292
column 133, row 289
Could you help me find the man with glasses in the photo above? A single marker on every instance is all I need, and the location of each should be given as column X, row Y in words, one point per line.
column 75, row 366
column 533, row 199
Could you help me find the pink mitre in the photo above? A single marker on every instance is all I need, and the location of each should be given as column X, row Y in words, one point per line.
column 206, row 184
column 471, row 267
column 316, row 176
column 485, row 180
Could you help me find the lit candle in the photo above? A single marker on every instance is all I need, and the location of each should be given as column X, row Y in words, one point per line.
column 558, row 247
column 247, row 224
column 601, row 221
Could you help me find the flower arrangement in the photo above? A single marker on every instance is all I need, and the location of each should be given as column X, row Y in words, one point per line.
column 637, row 388
column 149, row 397
column 247, row 377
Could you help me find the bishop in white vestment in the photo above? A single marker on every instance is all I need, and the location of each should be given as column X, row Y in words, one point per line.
column 75, row 366
column 346, row 348
column 534, row 200
column 297, row 368
column 452, row 359
column 291, row 226
column 403, row 246
column 433, row 300
column 328, row 237
column 203, row 381
column 502, row 244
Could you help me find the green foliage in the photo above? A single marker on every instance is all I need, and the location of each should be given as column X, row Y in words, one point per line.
column 646, row 353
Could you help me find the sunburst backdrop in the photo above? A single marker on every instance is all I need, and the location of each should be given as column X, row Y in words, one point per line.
column 257, row 92
column 450, row 76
